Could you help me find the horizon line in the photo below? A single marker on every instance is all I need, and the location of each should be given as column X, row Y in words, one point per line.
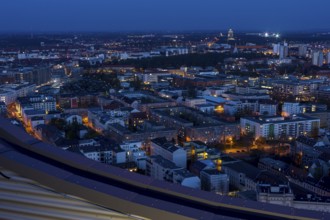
column 160, row 31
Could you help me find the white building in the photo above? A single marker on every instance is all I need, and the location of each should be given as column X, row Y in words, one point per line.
column 150, row 78
column 185, row 178
column 104, row 154
column 37, row 102
column 171, row 51
column 131, row 145
column 28, row 114
column 139, row 157
column 134, row 152
column 293, row 108
column 250, row 90
column 275, row 127
column 88, row 142
column 10, row 92
column 230, row 35
column 276, row 49
column 283, row 51
column 160, row 168
column 267, row 109
column 153, row 77
column 160, row 146
column 217, row 91
column 214, row 181
column 290, row 108
column 8, row 97
column 282, row 195
column 100, row 120
column 278, row 195
column 193, row 102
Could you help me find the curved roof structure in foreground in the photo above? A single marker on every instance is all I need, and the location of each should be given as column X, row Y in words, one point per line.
column 120, row 190
column 22, row 198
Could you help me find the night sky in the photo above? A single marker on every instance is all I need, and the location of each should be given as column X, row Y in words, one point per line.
column 164, row 15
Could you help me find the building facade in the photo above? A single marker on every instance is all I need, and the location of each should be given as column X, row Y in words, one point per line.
column 276, row 127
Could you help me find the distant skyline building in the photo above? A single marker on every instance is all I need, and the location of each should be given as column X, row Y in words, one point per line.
column 281, row 49
column 302, row 50
column 317, row 58
column 328, row 58
column 231, row 35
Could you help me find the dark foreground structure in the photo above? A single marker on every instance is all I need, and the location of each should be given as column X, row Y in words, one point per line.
column 120, row 190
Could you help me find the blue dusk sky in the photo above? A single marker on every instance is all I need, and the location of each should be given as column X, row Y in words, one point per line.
column 164, row 15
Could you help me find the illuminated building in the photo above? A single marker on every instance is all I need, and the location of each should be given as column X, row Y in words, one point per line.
column 194, row 125
column 230, row 35
column 276, row 127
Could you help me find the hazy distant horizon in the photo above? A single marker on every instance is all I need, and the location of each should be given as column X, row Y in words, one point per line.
column 236, row 31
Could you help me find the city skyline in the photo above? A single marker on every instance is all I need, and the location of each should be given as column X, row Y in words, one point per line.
column 128, row 15
column 162, row 110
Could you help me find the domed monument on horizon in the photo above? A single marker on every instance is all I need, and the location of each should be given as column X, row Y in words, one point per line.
column 230, row 35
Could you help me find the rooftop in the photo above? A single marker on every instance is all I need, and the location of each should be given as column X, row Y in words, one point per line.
column 279, row 119
column 245, row 168
column 212, row 172
column 273, row 189
column 167, row 164
column 167, row 145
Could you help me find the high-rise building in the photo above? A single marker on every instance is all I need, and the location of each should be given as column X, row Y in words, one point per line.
column 302, row 50
column 328, row 58
column 317, row 58
column 321, row 58
column 41, row 75
column 231, row 35
column 276, row 49
column 283, row 50
column 36, row 75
